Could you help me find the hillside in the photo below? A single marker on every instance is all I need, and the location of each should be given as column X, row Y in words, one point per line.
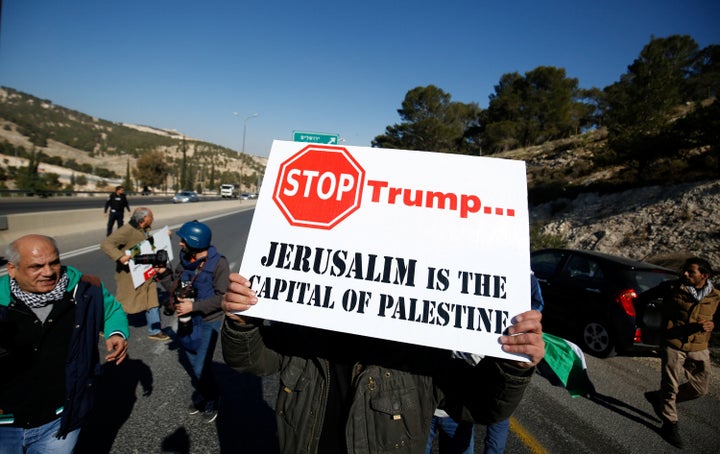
column 102, row 151
column 660, row 213
column 660, row 224
column 609, row 209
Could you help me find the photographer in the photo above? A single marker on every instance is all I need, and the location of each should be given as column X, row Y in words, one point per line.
column 196, row 290
column 145, row 297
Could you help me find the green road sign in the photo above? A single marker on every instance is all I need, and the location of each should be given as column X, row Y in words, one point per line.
column 316, row 137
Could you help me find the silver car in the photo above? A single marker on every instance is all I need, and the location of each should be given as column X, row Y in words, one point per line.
column 185, row 196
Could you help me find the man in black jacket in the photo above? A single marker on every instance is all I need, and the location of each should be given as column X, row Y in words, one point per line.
column 50, row 319
column 346, row 393
column 117, row 204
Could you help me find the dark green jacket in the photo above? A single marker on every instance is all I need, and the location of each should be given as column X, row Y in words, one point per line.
column 395, row 387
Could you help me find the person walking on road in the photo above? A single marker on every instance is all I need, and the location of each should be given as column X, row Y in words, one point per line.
column 688, row 307
column 51, row 317
column 196, row 289
column 115, row 207
column 144, row 298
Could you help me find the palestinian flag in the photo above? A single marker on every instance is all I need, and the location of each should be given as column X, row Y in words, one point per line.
column 564, row 365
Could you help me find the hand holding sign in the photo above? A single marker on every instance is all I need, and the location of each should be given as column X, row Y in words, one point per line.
column 525, row 338
column 238, row 298
column 379, row 243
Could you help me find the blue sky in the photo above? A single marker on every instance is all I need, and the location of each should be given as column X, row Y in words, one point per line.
column 326, row 66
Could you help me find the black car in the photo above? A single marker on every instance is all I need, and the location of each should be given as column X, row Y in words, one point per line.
column 590, row 297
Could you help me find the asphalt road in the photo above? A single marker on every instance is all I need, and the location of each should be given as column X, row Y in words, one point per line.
column 141, row 405
column 15, row 205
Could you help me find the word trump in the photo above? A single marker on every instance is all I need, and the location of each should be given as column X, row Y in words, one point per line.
column 382, row 192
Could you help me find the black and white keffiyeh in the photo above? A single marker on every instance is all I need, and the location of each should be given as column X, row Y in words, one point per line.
column 38, row 300
column 702, row 293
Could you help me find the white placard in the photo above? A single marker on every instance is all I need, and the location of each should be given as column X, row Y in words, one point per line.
column 419, row 247
column 159, row 239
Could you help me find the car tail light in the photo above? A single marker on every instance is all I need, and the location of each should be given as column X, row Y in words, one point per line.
column 638, row 336
column 626, row 298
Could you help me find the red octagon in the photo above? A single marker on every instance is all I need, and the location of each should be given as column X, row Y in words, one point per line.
column 319, row 186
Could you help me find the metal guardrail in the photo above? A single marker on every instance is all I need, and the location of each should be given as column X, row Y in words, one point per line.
column 61, row 193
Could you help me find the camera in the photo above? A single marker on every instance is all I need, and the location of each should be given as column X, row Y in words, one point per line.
column 160, row 258
column 186, row 291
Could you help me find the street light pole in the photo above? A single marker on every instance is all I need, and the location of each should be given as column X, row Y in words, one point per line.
column 245, row 127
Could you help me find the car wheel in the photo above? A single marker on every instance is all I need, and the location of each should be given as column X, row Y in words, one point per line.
column 597, row 340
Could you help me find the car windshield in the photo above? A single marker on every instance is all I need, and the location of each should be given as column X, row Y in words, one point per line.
column 545, row 264
column 643, row 280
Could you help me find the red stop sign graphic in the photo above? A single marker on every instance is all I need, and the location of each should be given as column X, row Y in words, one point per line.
column 319, row 186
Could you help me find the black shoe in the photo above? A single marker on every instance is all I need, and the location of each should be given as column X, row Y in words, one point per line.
column 210, row 415
column 654, row 398
column 671, row 433
column 193, row 409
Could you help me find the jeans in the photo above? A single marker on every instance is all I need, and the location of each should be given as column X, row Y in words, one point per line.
column 453, row 437
column 202, row 378
column 496, row 437
column 153, row 320
column 38, row 440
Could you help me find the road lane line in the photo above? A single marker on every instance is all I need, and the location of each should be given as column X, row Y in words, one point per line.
column 88, row 249
column 526, row 438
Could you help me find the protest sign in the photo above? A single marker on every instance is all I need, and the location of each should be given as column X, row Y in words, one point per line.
column 158, row 240
column 418, row 247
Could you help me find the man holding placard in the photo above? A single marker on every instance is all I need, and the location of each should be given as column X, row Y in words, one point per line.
column 370, row 267
column 143, row 298
column 347, row 393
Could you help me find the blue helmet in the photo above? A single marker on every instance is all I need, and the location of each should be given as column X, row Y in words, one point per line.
column 195, row 235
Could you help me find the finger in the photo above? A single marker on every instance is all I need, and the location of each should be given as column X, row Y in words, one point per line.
column 526, row 326
column 237, row 277
column 117, row 349
column 123, row 354
column 240, row 296
column 235, row 317
column 233, row 307
column 529, row 344
column 241, row 289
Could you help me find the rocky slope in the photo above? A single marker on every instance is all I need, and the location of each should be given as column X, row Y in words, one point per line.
column 660, row 224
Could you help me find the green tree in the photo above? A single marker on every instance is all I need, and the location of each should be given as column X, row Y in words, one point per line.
column 645, row 99
column 431, row 121
column 127, row 182
column 186, row 173
column 542, row 105
column 151, row 169
column 212, row 185
column 704, row 80
column 28, row 178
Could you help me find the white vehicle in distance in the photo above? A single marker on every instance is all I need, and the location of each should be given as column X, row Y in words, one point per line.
column 228, row 191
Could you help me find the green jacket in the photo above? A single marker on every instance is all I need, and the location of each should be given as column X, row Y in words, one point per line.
column 50, row 368
column 115, row 318
column 394, row 387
